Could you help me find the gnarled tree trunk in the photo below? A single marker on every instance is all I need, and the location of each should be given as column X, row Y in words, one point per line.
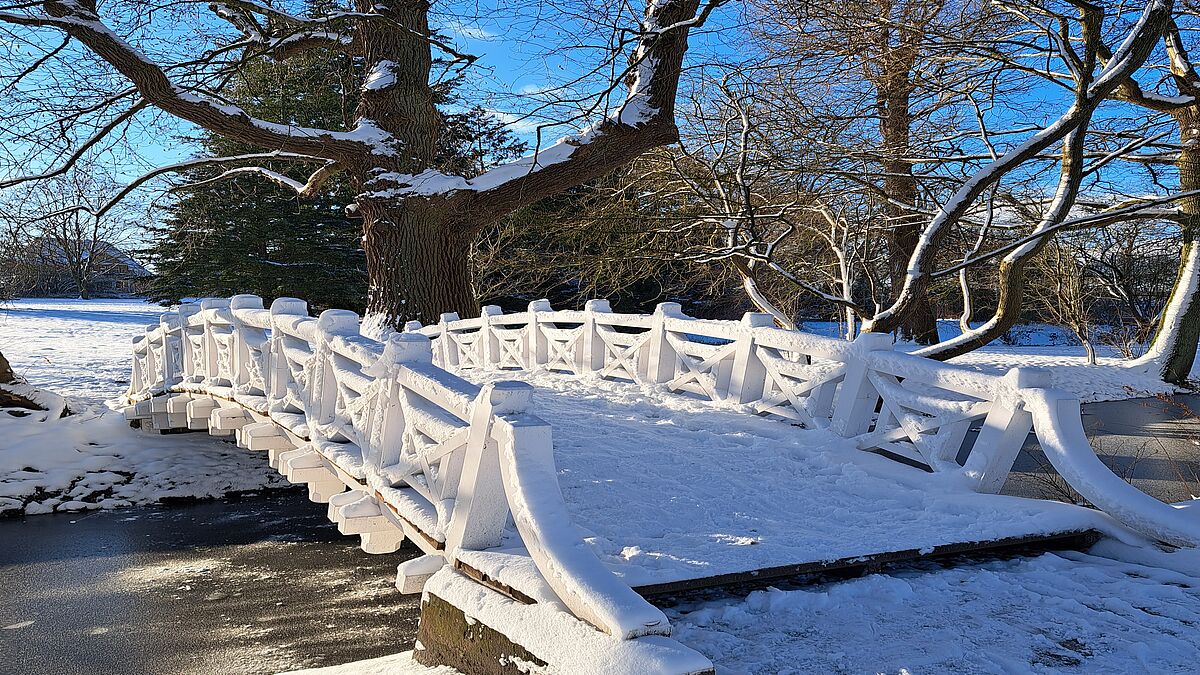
column 1173, row 348
column 417, row 262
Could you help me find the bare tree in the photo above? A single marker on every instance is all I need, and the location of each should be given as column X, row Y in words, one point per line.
column 1092, row 79
column 57, row 247
column 417, row 222
column 1064, row 295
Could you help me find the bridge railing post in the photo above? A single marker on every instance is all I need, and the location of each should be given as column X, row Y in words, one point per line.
column 279, row 373
column 660, row 363
column 537, row 347
column 211, row 361
column 590, row 352
column 172, row 361
column 323, row 387
column 189, row 354
column 489, row 342
column 748, row 377
column 480, row 503
column 1003, row 432
column 387, row 421
column 449, row 347
column 243, row 352
column 854, row 409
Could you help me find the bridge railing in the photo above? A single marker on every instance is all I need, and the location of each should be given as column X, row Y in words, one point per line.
column 449, row 459
column 947, row 419
column 940, row 417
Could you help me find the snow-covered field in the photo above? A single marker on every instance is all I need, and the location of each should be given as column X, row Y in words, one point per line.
column 1116, row 608
column 93, row 459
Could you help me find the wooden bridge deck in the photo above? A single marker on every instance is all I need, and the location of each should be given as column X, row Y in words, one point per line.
column 675, row 494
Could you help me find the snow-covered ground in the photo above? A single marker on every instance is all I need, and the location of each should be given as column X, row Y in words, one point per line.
column 75, row 348
column 1115, row 609
column 93, row 459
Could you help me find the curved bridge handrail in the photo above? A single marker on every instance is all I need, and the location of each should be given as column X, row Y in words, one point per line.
column 1057, row 417
column 384, row 416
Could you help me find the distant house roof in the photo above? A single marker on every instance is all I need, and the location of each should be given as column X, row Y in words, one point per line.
column 114, row 260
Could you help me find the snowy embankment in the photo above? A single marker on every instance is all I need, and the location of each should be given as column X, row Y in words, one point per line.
column 93, row 459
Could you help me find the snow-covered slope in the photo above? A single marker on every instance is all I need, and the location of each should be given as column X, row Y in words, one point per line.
column 92, row 459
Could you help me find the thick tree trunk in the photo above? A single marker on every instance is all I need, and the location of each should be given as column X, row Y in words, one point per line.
column 1173, row 348
column 416, row 263
column 918, row 324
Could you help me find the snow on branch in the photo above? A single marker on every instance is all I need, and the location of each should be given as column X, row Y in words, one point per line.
column 645, row 119
column 303, row 190
column 81, row 23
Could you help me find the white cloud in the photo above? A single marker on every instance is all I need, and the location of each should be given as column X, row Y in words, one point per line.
column 469, row 31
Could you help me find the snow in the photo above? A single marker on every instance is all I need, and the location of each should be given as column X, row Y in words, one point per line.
column 93, row 459
column 559, row 638
column 75, row 348
column 381, row 76
column 666, row 488
column 1114, row 609
column 1043, row 346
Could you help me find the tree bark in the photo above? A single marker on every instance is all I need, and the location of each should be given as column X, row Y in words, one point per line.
column 417, row 262
column 1173, row 347
column 894, row 89
column 7, row 376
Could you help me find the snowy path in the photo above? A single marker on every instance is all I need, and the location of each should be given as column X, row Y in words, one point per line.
column 668, row 488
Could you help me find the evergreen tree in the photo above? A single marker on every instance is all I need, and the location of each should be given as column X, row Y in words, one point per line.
column 248, row 235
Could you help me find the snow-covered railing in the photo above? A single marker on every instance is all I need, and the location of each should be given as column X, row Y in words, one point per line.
column 422, row 450
column 809, row 380
column 945, row 418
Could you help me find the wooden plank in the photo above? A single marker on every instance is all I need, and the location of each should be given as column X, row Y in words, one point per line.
column 740, row 583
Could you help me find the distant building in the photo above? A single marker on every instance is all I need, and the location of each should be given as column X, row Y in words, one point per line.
column 53, row 270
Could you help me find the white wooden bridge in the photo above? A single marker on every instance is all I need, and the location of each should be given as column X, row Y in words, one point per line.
column 401, row 447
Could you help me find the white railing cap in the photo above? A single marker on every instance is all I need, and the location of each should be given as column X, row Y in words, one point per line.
column 289, row 306
column 245, row 301
column 338, row 322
